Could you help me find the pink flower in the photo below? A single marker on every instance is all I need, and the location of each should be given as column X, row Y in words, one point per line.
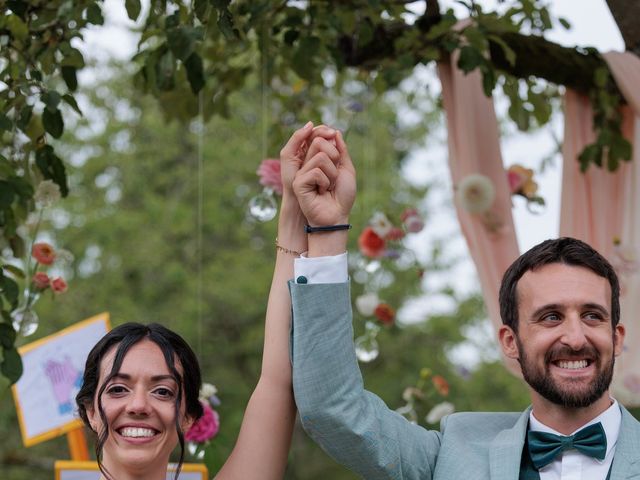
column 206, row 427
column 43, row 253
column 58, row 285
column 394, row 234
column 371, row 245
column 40, row 280
column 412, row 221
column 269, row 172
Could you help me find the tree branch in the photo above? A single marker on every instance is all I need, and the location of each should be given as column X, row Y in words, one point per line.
column 626, row 14
column 536, row 56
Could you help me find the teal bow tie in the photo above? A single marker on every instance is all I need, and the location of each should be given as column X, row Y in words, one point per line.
column 545, row 447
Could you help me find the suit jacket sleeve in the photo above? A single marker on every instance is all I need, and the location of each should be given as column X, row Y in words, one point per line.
column 352, row 425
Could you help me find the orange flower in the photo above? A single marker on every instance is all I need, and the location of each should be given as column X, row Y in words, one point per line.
column 371, row 245
column 58, row 285
column 43, row 253
column 442, row 386
column 385, row 313
column 40, row 280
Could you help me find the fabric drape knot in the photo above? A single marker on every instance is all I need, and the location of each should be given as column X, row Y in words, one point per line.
column 545, row 447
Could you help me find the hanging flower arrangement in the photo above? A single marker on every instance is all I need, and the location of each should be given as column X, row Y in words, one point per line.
column 206, row 428
column 476, row 193
column 381, row 241
column 521, row 183
column 428, row 394
column 42, row 267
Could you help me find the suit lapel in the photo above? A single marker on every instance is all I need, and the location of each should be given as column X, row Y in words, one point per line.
column 626, row 464
column 506, row 450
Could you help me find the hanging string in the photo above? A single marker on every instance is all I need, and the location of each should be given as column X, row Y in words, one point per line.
column 199, row 222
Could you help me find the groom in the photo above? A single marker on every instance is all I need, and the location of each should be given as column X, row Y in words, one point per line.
column 560, row 311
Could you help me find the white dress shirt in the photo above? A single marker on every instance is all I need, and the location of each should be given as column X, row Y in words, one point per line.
column 573, row 465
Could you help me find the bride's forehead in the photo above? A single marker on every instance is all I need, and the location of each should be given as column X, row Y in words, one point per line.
column 144, row 355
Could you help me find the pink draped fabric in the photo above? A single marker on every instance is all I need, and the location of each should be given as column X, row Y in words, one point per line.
column 474, row 147
column 596, row 206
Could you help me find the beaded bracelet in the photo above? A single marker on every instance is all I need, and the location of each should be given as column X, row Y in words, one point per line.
column 286, row 250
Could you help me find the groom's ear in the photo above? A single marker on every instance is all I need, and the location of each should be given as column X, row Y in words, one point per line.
column 507, row 338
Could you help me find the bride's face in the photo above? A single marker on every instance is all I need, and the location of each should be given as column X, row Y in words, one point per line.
column 139, row 404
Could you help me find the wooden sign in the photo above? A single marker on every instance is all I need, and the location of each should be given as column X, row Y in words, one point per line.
column 70, row 470
column 53, row 368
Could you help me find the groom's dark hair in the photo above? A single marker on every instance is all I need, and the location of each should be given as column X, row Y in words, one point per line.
column 565, row 250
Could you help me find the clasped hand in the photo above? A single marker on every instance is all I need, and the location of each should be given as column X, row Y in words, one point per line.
column 317, row 168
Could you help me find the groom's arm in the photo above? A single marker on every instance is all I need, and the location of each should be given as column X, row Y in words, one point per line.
column 352, row 425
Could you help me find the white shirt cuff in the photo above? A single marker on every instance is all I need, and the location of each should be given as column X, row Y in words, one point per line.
column 332, row 269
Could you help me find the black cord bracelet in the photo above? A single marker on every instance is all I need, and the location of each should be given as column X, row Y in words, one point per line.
column 327, row 228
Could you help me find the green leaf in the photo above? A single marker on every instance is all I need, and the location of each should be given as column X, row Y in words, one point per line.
column 71, row 101
column 591, row 154
column 17, row 245
column 25, row 116
column 11, row 365
column 470, row 58
column 488, row 81
column 52, row 167
column 53, row 123
column 195, row 72
column 15, row 271
column 600, row 77
column 7, row 336
column 225, row 24
column 7, row 194
column 133, row 9
column 200, row 7
column 51, row 99
column 19, row 30
column 10, row 290
column 565, row 23
column 6, row 168
column 181, row 42
column 22, row 187
column 5, row 122
column 72, row 58
column 70, row 78
column 165, row 69
column 94, row 14
column 303, row 60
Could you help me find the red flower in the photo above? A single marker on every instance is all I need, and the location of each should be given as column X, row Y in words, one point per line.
column 371, row 245
column 206, row 427
column 40, row 280
column 58, row 285
column 43, row 253
column 269, row 172
column 385, row 313
column 442, row 386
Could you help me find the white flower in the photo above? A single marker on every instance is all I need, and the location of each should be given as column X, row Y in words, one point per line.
column 475, row 193
column 47, row 193
column 64, row 257
column 380, row 224
column 367, row 303
column 439, row 411
column 207, row 391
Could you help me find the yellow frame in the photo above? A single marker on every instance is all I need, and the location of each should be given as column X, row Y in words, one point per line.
column 76, row 423
column 61, row 465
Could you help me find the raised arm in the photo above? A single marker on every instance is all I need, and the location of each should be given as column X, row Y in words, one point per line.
column 265, row 435
column 352, row 425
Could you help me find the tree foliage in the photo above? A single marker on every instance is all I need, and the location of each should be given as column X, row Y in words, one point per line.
column 193, row 55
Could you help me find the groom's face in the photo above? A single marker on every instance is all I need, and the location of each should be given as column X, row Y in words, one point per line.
column 566, row 343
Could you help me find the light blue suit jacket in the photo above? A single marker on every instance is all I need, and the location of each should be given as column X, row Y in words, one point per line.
column 358, row 430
